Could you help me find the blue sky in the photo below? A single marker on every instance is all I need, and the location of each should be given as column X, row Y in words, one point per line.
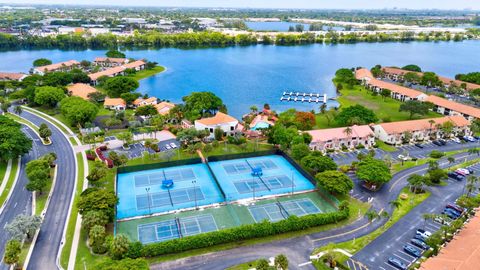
column 343, row 4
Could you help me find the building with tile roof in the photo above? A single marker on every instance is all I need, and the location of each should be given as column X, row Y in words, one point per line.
column 62, row 66
column 110, row 72
column 80, row 90
column 110, row 61
column 164, row 107
column 448, row 107
column 225, row 122
column 338, row 138
column 142, row 102
column 8, row 76
column 117, row 104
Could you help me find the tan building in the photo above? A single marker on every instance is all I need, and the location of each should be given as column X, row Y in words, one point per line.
column 137, row 65
column 110, row 72
column 62, row 66
column 142, row 102
column 337, row 138
column 448, row 107
column 8, row 76
column 117, row 104
column 164, row 107
column 81, row 90
column 423, row 129
column 110, row 61
column 225, row 122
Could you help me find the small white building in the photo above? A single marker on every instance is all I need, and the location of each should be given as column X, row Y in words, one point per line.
column 143, row 102
column 62, row 66
column 117, row 104
column 225, row 122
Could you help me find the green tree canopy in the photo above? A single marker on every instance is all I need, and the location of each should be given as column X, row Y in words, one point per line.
column 334, row 182
column 147, row 110
column 99, row 200
column 345, row 75
column 201, row 104
column 115, row 54
column 92, row 218
column 116, row 86
column 119, row 246
column 44, row 131
column 13, row 142
column 373, row 171
column 430, row 79
column 41, row 62
column 13, row 248
column 77, row 110
column 48, row 95
column 415, row 107
column 130, row 97
column 23, row 227
column 300, row 150
column 316, row 164
column 414, row 68
column 356, row 115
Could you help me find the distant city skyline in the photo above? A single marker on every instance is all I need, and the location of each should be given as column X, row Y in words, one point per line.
column 300, row 4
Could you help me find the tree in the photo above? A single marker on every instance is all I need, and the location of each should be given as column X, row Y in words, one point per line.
column 417, row 182
column 23, row 227
column 201, row 104
column 415, row 107
column 413, row 68
column 96, row 97
column 13, row 142
column 395, row 204
column 115, row 54
column 119, row 246
column 356, row 115
column 451, row 160
column 385, row 93
column 118, row 160
column 44, row 131
column 411, row 77
column 323, row 108
column 345, row 75
column 253, row 109
column 262, row 264
column 126, row 137
column 5, row 105
column 430, row 79
column 281, row 262
column 38, row 173
column 13, row 248
column 48, row 95
column 317, row 164
column 129, row 98
column 98, row 172
column 304, row 120
column 330, row 115
column 437, row 175
column 334, row 182
column 18, row 110
column 116, row 86
column 99, row 200
column 78, row 111
column 97, row 239
column 373, row 171
column 371, row 215
column 300, row 150
column 92, row 218
column 147, row 110
column 41, row 62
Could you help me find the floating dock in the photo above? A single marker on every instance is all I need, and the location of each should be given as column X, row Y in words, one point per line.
column 304, row 97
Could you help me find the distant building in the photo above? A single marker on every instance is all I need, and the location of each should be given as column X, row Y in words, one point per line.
column 448, row 107
column 423, row 129
column 136, row 65
column 109, row 61
column 164, row 107
column 338, row 138
column 111, row 72
column 134, row 20
column 142, row 102
column 117, row 104
column 7, row 76
column 228, row 124
column 62, row 66
column 81, row 90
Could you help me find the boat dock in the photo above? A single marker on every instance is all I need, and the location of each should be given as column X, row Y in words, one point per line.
column 304, row 97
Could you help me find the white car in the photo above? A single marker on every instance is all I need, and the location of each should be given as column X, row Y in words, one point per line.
column 425, row 234
column 402, row 157
column 456, row 140
column 168, row 146
column 463, row 171
column 173, row 145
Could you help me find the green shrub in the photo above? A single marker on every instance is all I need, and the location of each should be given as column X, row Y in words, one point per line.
column 436, row 154
column 244, row 232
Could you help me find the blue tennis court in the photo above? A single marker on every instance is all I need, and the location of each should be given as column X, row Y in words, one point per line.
column 176, row 228
column 281, row 210
column 145, row 192
column 258, row 177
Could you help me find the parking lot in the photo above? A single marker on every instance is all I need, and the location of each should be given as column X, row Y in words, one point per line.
column 390, row 244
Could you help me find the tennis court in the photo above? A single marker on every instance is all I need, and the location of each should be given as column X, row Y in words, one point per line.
column 258, row 177
column 282, row 210
column 176, row 228
column 143, row 192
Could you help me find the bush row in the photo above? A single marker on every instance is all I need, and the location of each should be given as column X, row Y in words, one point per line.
column 244, row 232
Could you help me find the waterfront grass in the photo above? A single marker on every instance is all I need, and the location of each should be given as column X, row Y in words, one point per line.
column 353, row 246
column 385, row 147
column 10, row 181
column 65, row 254
column 142, row 74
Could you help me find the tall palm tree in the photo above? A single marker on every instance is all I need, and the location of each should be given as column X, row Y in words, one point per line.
column 395, row 204
column 371, row 215
column 18, row 110
column 472, row 181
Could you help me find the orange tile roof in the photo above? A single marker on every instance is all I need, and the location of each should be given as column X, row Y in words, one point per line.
column 11, row 76
column 135, row 64
column 148, row 100
column 107, row 72
column 81, row 90
column 323, row 135
column 422, row 124
column 57, row 66
column 454, row 106
column 114, row 102
column 219, row 118
column 111, row 60
column 462, row 253
column 164, row 107
column 363, row 73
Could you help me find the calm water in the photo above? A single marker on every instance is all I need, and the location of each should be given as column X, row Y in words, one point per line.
column 254, row 75
column 283, row 26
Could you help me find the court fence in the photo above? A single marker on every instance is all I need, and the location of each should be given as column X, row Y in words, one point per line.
column 158, row 165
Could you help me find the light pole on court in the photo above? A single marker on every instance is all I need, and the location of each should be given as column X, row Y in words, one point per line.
column 147, row 189
column 195, row 193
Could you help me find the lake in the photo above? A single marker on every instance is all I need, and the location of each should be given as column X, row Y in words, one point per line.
column 254, row 75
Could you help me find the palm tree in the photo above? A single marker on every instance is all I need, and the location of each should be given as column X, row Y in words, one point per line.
column 254, row 109
column 371, row 215
column 323, row 108
column 451, row 160
column 426, row 217
column 395, row 204
column 18, row 110
column 416, row 182
column 472, row 181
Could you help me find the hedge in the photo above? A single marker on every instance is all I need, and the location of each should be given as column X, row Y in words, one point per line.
column 243, row 232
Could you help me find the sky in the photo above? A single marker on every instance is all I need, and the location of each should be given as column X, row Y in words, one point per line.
column 303, row 4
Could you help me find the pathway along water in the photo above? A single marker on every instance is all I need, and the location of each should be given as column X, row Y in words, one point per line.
column 254, row 75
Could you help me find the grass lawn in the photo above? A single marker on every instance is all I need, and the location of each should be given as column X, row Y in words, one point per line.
column 244, row 266
column 142, row 74
column 55, row 114
column 41, row 199
column 3, row 170
column 161, row 157
column 223, row 149
column 10, row 181
column 21, row 120
column 356, row 245
column 73, row 215
column 385, row 147
column 357, row 209
column 385, row 109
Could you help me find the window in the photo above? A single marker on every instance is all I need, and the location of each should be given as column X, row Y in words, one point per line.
column 232, row 128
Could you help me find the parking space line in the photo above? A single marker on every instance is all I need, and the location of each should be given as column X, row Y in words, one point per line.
column 390, row 266
column 404, row 253
column 395, row 254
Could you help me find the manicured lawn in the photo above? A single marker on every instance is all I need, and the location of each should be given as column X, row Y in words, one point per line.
column 359, row 243
column 41, row 199
column 223, row 149
column 3, row 170
column 385, row 147
column 73, row 215
column 244, row 266
column 385, row 109
column 162, row 157
column 10, row 181
column 139, row 75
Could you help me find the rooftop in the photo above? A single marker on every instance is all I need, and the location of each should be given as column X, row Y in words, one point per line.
column 114, row 102
column 323, row 135
column 81, row 90
column 11, row 76
column 422, row 124
column 56, row 66
column 107, row 72
column 111, row 60
column 164, row 107
column 219, row 118
column 455, row 106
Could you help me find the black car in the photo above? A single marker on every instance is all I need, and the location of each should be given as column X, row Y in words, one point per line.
column 456, row 176
column 442, row 142
column 419, row 243
column 419, row 145
column 412, row 250
column 420, row 237
column 397, row 263
column 437, row 143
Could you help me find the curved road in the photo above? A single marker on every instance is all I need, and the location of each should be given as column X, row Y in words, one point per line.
column 20, row 201
column 49, row 239
column 299, row 249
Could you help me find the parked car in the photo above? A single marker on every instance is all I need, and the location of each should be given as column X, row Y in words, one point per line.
column 455, row 207
column 469, row 138
column 463, row 171
column 419, row 243
column 437, row 143
column 456, row 176
column 456, row 140
column 442, row 141
column 420, row 237
column 402, row 157
column 450, row 213
column 419, row 145
column 168, row 146
column 397, row 263
column 412, row 250
column 173, row 145
column 443, row 221
column 424, row 233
